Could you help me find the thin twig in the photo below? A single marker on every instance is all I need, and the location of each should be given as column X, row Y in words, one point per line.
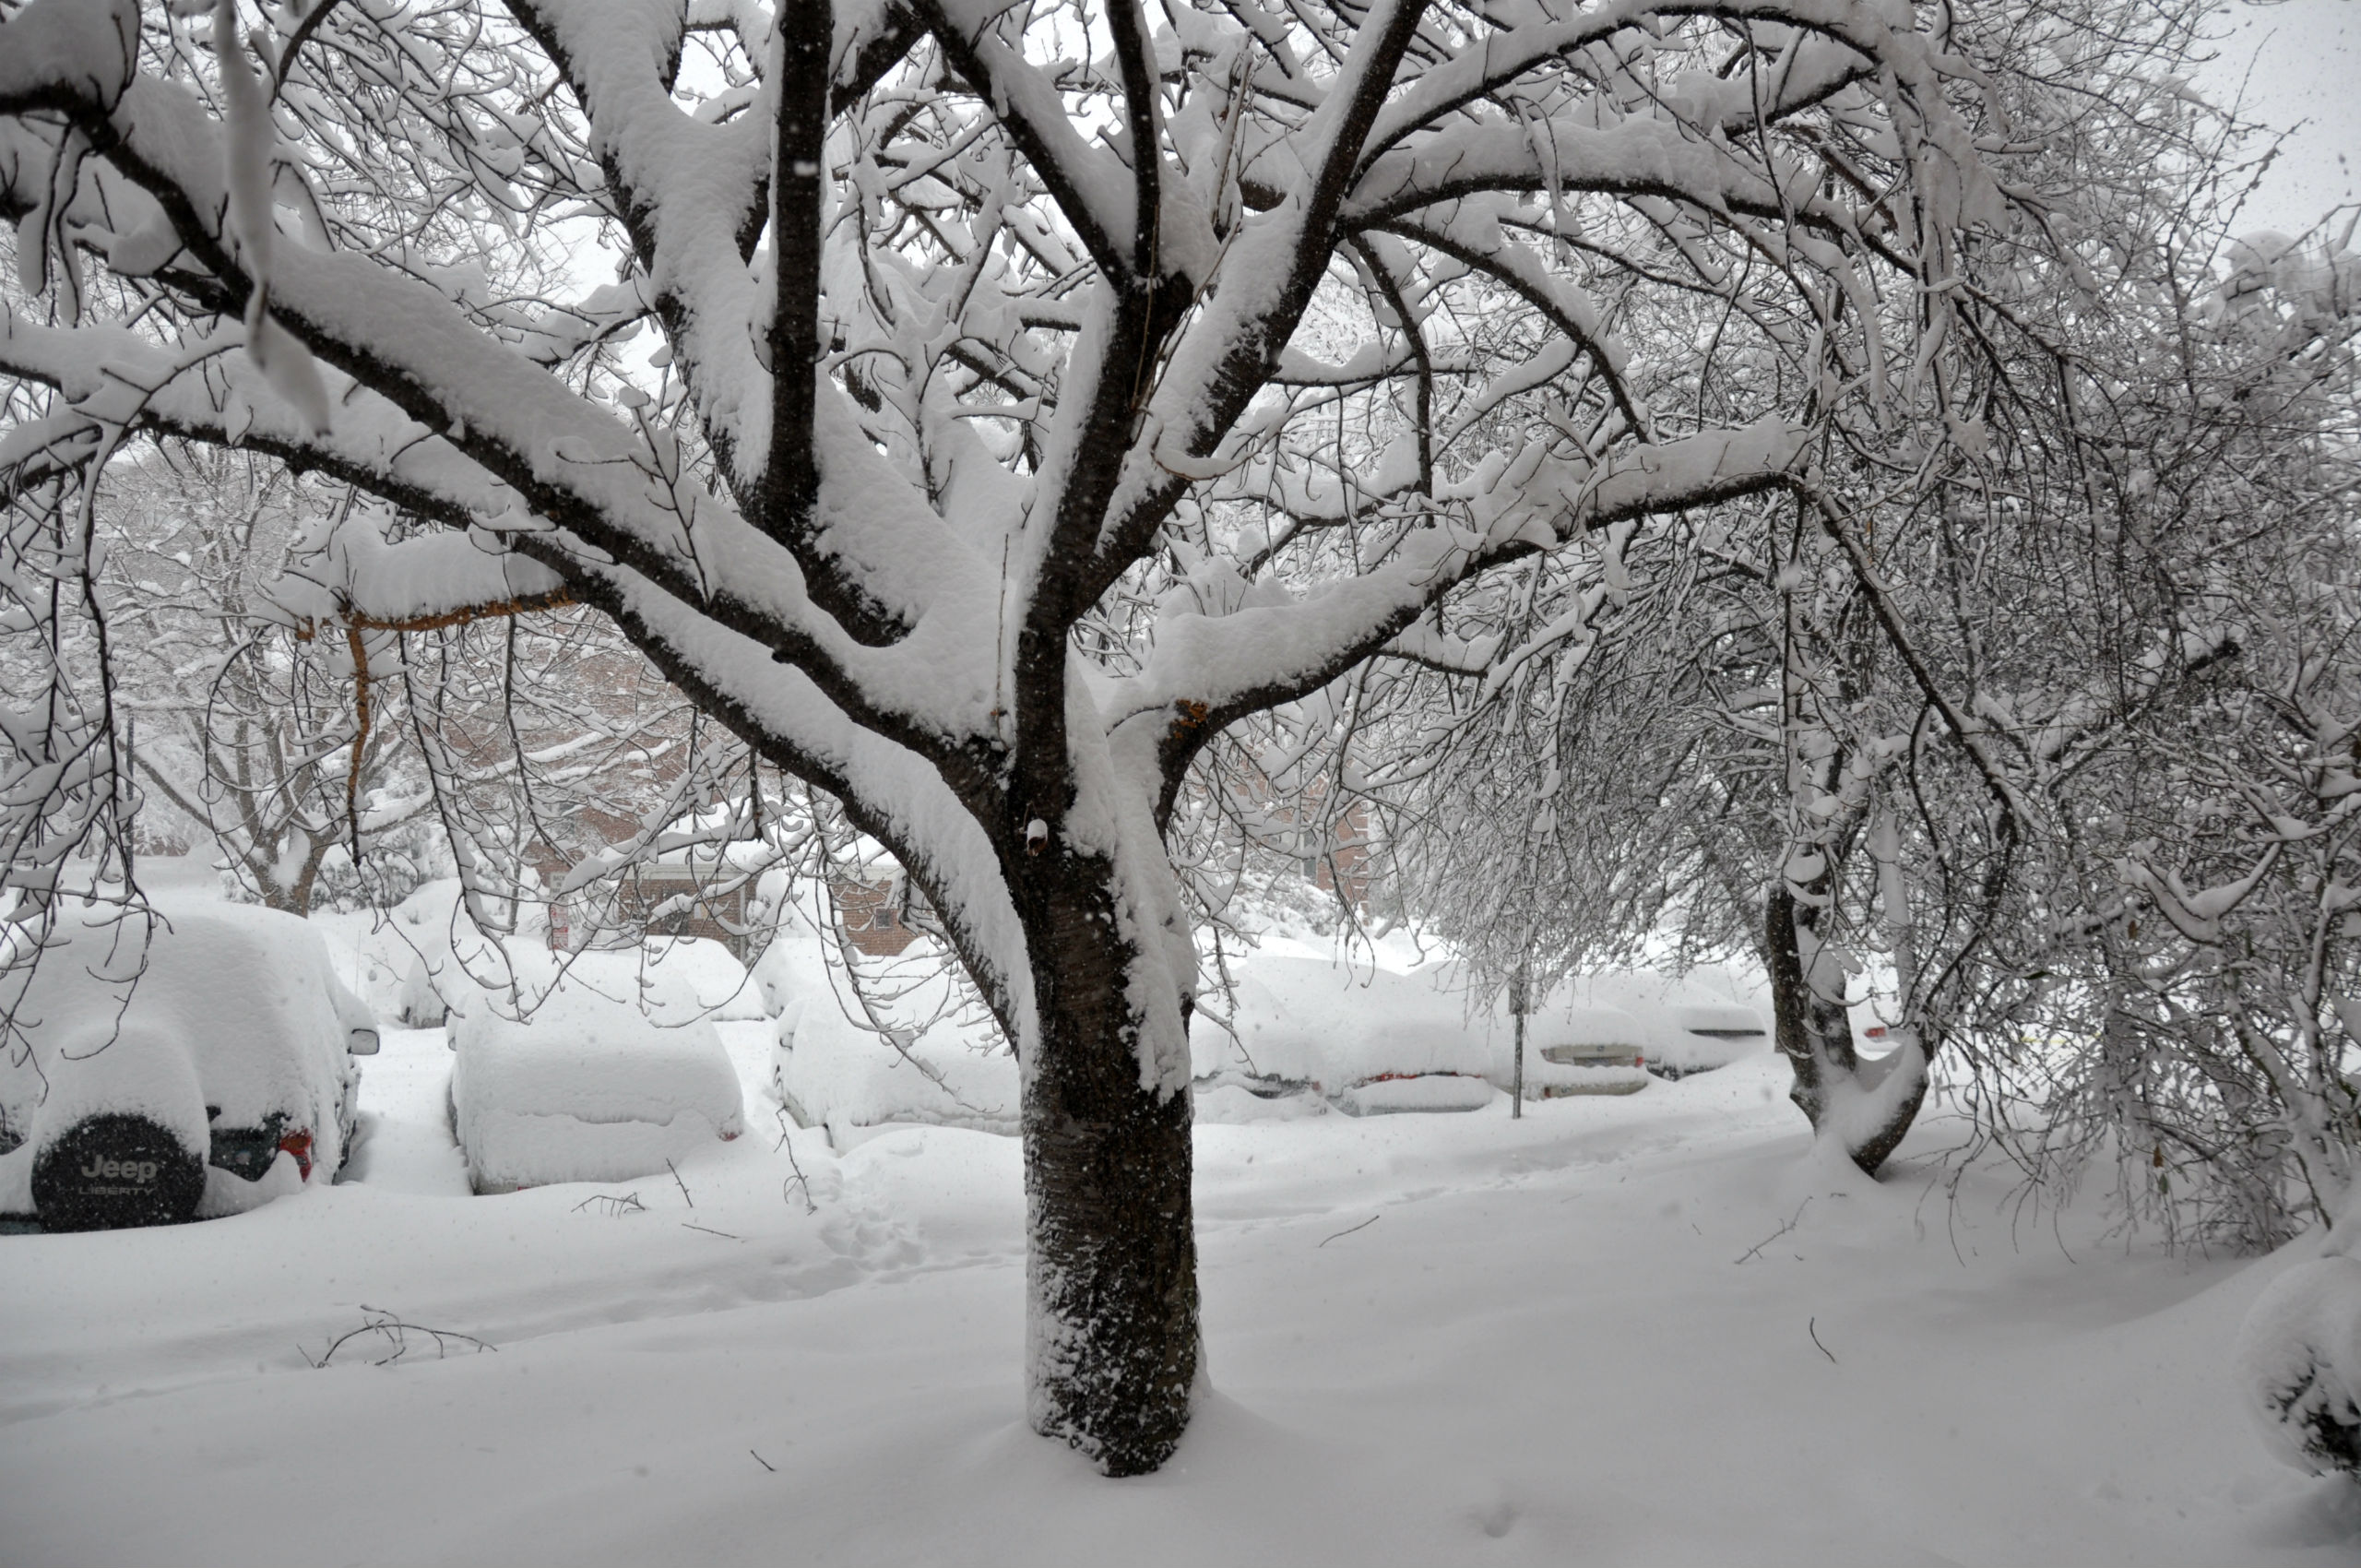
column 787, row 1141
column 765, row 1464
column 381, row 1322
column 1812, row 1326
column 1774, row 1235
column 617, row 1204
column 678, row 1183
column 1362, row 1226
column 711, row 1231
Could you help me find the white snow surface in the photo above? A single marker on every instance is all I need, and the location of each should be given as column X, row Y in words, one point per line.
column 143, row 1071
column 1540, row 1347
column 587, row 1089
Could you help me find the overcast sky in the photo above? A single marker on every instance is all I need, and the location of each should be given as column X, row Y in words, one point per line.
column 2297, row 61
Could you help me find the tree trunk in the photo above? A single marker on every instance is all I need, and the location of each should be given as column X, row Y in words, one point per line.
column 1867, row 1106
column 1111, row 1308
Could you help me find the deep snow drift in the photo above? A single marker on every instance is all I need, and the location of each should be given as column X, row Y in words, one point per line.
column 1545, row 1348
column 1623, row 1330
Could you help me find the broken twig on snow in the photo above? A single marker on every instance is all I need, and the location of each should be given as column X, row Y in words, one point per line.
column 1362, row 1226
column 397, row 1332
column 1774, row 1235
column 1812, row 1326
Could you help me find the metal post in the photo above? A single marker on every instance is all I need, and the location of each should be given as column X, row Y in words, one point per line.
column 1516, row 1077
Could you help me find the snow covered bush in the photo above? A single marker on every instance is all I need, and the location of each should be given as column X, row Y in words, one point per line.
column 2298, row 1365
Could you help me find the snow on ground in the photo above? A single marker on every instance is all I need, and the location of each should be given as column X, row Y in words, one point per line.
column 1638, row 1330
column 1433, row 1340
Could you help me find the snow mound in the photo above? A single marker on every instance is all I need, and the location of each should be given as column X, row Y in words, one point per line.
column 2298, row 1365
column 226, row 1193
column 139, row 1073
column 589, row 1089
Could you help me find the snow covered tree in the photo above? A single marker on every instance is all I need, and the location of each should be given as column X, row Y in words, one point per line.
column 247, row 729
column 1038, row 390
column 1899, row 719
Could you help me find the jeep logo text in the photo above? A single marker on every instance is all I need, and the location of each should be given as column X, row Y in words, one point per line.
column 126, row 1169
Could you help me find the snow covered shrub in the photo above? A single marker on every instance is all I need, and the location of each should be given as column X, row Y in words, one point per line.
column 2298, row 1365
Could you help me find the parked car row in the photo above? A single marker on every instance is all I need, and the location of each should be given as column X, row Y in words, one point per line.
column 224, row 1075
column 1374, row 1041
column 202, row 1065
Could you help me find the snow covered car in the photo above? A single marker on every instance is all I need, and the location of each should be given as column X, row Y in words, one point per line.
column 1698, row 1036
column 586, row 1087
column 1371, row 1042
column 1692, row 1023
column 192, row 1071
column 830, row 1071
column 1304, row 1031
column 1575, row 1050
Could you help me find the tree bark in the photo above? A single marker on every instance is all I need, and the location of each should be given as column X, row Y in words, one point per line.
column 1111, row 1319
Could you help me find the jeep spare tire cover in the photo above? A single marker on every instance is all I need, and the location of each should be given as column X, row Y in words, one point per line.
column 122, row 1135
column 114, row 1170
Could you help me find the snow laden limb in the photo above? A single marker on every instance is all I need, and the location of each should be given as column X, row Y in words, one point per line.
column 988, row 405
column 1207, row 670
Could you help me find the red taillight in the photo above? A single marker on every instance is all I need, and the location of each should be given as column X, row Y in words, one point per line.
column 299, row 1144
column 1875, row 1031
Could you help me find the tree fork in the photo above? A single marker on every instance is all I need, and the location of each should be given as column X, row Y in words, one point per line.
column 1817, row 1040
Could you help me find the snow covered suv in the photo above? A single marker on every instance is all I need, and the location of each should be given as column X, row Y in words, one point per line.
column 197, row 1072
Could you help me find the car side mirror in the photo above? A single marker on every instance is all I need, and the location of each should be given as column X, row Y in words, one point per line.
column 362, row 1043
